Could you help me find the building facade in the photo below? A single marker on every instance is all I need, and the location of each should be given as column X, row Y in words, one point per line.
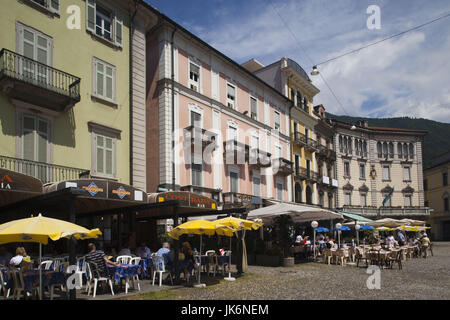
column 213, row 127
column 437, row 196
column 379, row 171
column 292, row 81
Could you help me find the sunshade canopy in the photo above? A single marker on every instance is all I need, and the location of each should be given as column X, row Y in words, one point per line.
column 355, row 217
column 238, row 224
column 201, row 227
column 40, row 229
column 299, row 213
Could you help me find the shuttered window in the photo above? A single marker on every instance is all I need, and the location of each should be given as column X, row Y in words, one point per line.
column 104, row 80
column 35, row 138
column 104, row 22
column 253, row 108
column 105, row 155
column 234, row 181
column 231, row 96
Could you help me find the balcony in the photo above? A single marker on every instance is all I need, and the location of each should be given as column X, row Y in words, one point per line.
column 388, row 212
column 325, row 153
column 304, row 174
column 29, row 81
column 284, row 166
column 304, row 141
column 45, row 172
column 234, row 199
column 194, row 136
column 258, row 159
column 327, row 182
column 240, row 153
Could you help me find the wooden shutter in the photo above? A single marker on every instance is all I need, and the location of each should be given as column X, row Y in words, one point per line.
column 90, row 15
column 118, row 30
column 54, row 6
column 28, row 138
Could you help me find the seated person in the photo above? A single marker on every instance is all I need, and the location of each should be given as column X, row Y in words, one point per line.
column 125, row 252
column 143, row 251
column 188, row 263
column 298, row 239
column 21, row 259
column 99, row 258
column 306, row 240
column 166, row 253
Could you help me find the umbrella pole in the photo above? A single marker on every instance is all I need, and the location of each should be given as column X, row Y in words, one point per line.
column 229, row 278
column 200, row 285
column 40, row 271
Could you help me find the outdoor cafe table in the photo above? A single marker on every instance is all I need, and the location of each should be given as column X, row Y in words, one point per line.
column 125, row 270
column 221, row 260
column 31, row 279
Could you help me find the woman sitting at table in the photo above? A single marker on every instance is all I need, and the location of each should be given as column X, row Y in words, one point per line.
column 21, row 260
column 188, row 263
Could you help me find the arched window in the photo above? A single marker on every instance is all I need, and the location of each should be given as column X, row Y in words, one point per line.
column 340, row 143
column 298, row 193
column 365, row 148
column 405, row 150
column 356, row 146
column 399, row 150
column 379, row 151
column 350, row 148
column 345, row 145
column 391, row 150
column 411, row 151
column 305, row 104
column 360, row 147
column 308, row 195
column 385, row 149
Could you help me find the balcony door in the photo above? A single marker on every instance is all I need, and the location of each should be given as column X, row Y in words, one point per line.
column 36, row 48
column 35, row 146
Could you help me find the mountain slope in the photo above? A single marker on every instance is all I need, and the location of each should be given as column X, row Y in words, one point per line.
column 436, row 142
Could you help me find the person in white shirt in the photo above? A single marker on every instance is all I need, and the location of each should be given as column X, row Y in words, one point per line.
column 299, row 239
column 18, row 259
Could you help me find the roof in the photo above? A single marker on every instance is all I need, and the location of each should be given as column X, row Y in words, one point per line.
column 396, row 129
column 375, row 128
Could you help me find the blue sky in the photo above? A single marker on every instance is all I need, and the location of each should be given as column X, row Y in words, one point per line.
column 405, row 76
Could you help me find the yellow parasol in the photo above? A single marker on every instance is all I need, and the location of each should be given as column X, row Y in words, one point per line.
column 39, row 229
column 384, row 229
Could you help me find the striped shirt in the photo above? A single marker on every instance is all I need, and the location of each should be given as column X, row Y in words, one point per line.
column 98, row 257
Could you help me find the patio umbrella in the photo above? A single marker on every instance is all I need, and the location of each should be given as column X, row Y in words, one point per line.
column 343, row 228
column 384, row 229
column 238, row 224
column 201, row 227
column 366, row 227
column 40, row 229
column 322, row 229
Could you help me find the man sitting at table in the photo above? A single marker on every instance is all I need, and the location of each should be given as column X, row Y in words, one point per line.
column 166, row 254
column 99, row 258
column 143, row 251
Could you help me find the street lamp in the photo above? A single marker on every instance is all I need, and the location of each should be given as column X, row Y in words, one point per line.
column 339, row 226
column 314, row 224
column 357, row 227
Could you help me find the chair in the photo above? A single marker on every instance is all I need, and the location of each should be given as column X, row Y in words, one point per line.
column 135, row 278
column 46, row 264
column 159, row 268
column 123, row 259
column 360, row 254
column 226, row 263
column 342, row 255
column 212, row 262
column 95, row 277
column 395, row 257
column 3, row 286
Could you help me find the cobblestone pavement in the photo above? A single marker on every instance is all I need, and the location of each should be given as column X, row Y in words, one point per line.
column 419, row 279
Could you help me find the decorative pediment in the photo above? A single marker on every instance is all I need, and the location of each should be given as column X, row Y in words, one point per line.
column 408, row 189
column 363, row 188
column 348, row 186
column 386, row 189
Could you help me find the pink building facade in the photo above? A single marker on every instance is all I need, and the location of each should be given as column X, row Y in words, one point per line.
column 231, row 129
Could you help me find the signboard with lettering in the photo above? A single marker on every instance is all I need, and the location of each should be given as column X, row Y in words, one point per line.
column 186, row 199
column 14, row 181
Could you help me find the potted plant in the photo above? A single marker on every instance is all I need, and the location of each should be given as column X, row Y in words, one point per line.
column 284, row 226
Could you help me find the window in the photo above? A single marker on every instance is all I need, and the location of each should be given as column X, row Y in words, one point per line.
column 299, row 99
column 308, row 168
column 232, row 133
column 253, row 108
column 104, row 155
column 340, row 143
column 399, row 150
column 386, row 173
column 51, row 5
column 196, row 119
column 388, row 202
column 297, row 164
column 446, row 204
column 280, row 191
column 411, row 151
column 347, row 169
column 365, row 148
column 104, row 23
column 347, row 199
column 425, row 184
column 408, row 200
column 305, row 104
column 35, row 138
column 406, row 174
column 194, row 76
column 405, row 150
column 444, row 179
column 37, row 47
column 104, row 80
column 257, row 186
column 321, row 199
column 231, row 96
column 234, row 182
column 292, row 94
column 362, row 171
column 385, row 150
column 391, row 150
column 379, row 150
column 196, row 171
column 363, row 200
column 277, row 121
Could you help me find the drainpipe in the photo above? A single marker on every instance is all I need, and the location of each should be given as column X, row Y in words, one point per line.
column 173, row 109
column 131, row 88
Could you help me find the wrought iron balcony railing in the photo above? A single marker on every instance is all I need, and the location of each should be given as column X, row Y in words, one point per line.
column 301, row 139
column 28, row 80
column 45, row 172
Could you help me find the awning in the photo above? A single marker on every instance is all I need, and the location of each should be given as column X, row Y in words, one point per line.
column 354, row 217
column 16, row 186
column 299, row 213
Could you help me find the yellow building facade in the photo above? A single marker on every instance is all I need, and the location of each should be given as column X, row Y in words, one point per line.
column 65, row 94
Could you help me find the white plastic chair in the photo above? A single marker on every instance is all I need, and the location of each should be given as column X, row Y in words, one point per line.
column 46, row 264
column 3, row 286
column 96, row 277
column 123, row 259
column 135, row 278
column 226, row 253
column 160, row 268
column 212, row 262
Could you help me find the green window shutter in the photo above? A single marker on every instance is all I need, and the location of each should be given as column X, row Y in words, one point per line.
column 118, row 28
column 90, row 15
column 54, row 6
